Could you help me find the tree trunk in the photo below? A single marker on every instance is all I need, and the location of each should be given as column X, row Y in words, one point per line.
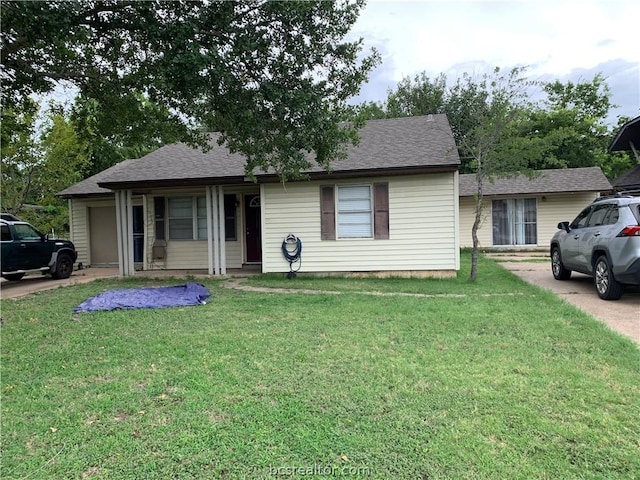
column 474, row 232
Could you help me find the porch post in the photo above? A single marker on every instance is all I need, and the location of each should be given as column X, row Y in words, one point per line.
column 145, row 231
column 209, row 232
column 129, row 238
column 216, row 229
column 221, row 238
column 124, row 227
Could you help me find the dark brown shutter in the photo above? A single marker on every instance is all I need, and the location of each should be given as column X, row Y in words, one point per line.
column 381, row 211
column 328, row 213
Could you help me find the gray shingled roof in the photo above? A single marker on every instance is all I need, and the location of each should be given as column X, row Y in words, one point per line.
column 629, row 179
column 589, row 179
column 398, row 143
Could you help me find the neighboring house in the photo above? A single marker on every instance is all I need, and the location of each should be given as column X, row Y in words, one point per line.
column 520, row 212
column 390, row 207
column 628, row 139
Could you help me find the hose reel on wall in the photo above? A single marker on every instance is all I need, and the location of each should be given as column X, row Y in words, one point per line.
column 292, row 252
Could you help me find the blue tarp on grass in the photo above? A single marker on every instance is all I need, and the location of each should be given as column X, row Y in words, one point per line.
column 149, row 297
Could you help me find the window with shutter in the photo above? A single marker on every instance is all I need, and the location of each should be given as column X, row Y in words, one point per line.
column 362, row 211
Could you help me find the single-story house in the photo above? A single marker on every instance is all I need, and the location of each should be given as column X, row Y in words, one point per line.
column 628, row 139
column 523, row 212
column 391, row 206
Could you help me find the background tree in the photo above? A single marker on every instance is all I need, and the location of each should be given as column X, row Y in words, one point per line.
column 566, row 127
column 36, row 166
column 273, row 77
column 19, row 155
column 569, row 126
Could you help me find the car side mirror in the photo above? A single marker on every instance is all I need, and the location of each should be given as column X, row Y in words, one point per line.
column 564, row 226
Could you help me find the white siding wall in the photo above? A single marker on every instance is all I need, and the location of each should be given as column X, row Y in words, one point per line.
column 551, row 209
column 422, row 227
column 557, row 209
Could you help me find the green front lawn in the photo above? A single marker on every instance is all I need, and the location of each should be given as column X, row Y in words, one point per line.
column 490, row 380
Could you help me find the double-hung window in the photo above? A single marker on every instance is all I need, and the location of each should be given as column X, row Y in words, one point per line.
column 187, row 218
column 355, row 216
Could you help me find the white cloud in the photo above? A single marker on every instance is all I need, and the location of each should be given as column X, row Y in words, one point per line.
column 553, row 37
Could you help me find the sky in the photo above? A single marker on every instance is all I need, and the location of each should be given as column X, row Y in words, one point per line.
column 566, row 40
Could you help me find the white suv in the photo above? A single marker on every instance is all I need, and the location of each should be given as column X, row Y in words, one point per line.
column 603, row 242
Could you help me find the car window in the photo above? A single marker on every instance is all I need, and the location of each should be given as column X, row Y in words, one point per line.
column 6, row 233
column 26, row 232
column 612, row 216
column 599, row 213
column 581, row 220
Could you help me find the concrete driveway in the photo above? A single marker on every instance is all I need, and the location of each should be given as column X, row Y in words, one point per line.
column 622, row 315
column 37, row 283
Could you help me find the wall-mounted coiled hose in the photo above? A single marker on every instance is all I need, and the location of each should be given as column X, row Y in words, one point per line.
column 292, row 252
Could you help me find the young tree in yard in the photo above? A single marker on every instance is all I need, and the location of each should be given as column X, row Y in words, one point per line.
column 487, row 113
column 273, row 77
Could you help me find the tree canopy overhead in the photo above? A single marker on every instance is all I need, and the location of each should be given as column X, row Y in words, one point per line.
column 273, row 77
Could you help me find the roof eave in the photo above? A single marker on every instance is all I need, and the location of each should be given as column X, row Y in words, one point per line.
column 625, row 137
column 376, row 172
column 273, row 178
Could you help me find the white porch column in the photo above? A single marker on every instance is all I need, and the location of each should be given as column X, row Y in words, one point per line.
column 124, row 226
column 210, row 260
column 216, row 229
column 223, row 235
column 145, row 229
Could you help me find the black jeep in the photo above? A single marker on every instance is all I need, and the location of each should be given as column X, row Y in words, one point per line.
column 25, row 249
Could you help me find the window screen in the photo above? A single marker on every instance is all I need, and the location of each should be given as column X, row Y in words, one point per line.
column 181, row 218
column 354, row 212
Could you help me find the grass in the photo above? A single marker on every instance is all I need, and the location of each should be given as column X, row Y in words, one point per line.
column 502, row 381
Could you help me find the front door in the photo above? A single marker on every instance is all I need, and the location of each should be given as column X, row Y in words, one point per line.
column 253, row 240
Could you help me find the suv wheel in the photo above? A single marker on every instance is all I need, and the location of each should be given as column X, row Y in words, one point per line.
column 64, row 266
column 608, row 287
column 14, row 276
column 559, row 272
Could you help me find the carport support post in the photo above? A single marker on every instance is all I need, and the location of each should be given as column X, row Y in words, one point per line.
column 221, row 238
column 216, row 229
column 124, row 226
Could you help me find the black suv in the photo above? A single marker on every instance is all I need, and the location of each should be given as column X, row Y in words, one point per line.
column 25, row 249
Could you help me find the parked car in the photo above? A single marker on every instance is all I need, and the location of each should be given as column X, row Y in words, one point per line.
column 603, row 242
column 8, row 216
column 25, row 250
